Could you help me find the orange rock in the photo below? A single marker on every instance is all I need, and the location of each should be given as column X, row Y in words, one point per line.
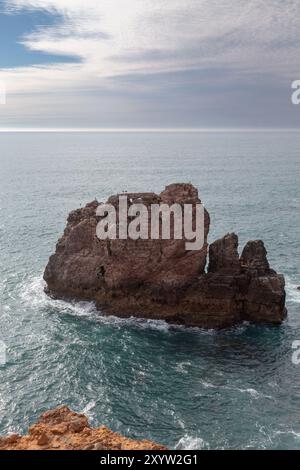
column 62, row 429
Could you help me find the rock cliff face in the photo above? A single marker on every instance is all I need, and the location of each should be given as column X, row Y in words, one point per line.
column 160, row 279
column 61, row 429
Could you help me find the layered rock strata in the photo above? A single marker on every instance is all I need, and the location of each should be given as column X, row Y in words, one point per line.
column 160, row 279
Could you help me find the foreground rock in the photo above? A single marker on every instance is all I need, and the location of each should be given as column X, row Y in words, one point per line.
column 61, row 429
column 159, row 279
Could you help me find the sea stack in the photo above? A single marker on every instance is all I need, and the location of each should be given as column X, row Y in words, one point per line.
column 161, row 279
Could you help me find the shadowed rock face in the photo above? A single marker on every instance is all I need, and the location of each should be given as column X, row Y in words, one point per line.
column 254, row 257
column 224, row 256
column 62, row 429
column 159, row 279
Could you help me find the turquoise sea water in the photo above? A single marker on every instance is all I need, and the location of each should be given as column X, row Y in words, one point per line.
column 185, row 388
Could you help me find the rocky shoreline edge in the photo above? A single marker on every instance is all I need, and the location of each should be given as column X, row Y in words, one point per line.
column 159, row 279
column 62, row 429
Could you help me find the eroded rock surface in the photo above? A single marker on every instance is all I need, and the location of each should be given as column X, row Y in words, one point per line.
column 160, row 279
column 62, row 429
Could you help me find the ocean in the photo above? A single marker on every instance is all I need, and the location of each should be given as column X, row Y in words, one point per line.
column 185, row 388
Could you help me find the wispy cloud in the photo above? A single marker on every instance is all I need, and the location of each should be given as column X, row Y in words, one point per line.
column 120, row 37
column 130, row 38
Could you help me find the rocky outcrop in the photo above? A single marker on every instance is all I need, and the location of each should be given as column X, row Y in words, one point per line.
column 224, row 256
column 61, row 429
column 160, row 279
column 254, row 258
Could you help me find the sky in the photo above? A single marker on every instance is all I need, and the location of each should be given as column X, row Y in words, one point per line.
column 149, row 63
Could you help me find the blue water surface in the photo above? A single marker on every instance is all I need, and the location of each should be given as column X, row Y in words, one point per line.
column 185, row 388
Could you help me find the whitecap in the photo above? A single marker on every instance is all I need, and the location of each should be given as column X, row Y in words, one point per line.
column 191, row 443
column 293, row 294
column 289, row 432
column 159, row 325
column 208, row 384
column 32, row 294
column 182, row 367
column 89, row 407
column 254, row 393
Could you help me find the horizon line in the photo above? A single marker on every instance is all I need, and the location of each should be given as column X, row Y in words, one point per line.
column 146, row 129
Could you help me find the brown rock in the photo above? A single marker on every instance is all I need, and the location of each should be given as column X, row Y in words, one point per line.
column 99, row 446
column 43, row 439
column 78, row 425
column 12, row 439
column 59, row 429
column 224, row 256
column 42, row 435
column 254, row 257
column 264, row 301
column 160, row 279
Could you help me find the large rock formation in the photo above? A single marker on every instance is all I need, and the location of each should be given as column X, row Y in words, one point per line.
column 160, row 279
column 61, row 429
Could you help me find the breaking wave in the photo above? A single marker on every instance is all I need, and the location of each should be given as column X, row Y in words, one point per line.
column 32, row 294
column 192, row 443
column 293, row 294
